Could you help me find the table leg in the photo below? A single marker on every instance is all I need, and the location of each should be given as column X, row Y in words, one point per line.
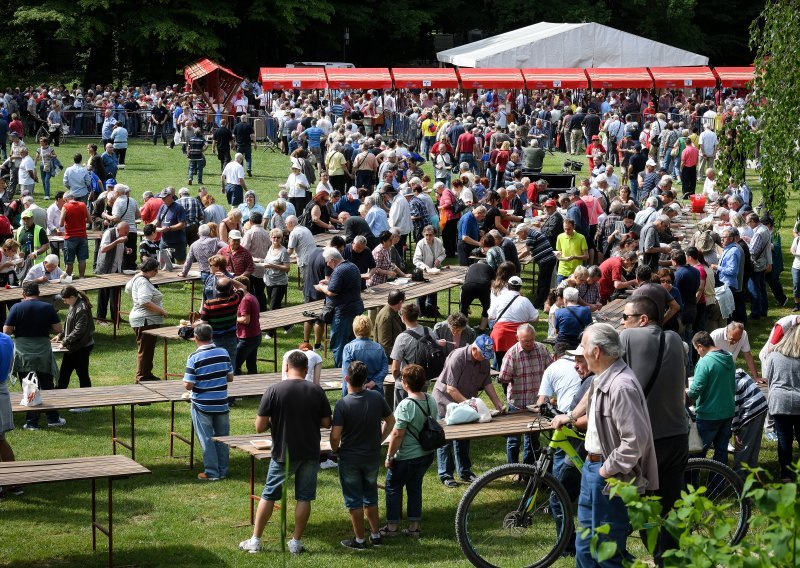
column 165, row 359
column 133, row 432
column 114, row 430
column 191, row 306
column 252, row 488
column 116, row 440
column 94, row 516
column 118, row 311
column 275, row 350
column 109, row 532
column 171, row 428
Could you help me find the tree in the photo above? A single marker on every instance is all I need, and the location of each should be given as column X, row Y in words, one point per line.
column 776, row 100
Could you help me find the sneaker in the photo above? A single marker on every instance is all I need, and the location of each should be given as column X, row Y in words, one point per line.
column 328, row 464
column 59, row 422
column 376, row 540
column 15, row 490
column 121, row 166
column 288, row 330
column 318, row 346
column 251, row 545
column 267, row 335
column 36, row 427
column 296, row 546
column 79, row 410
column 771, row 436
column 203, row 477
column 353, row 544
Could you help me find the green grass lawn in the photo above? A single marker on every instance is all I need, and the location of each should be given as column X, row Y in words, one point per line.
column 169, row 518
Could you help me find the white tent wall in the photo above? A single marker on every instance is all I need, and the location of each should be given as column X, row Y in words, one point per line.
column 585, row 45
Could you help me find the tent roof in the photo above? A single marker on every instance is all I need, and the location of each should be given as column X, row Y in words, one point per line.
column 281, row 78
column 202, row 68
column 568, row 45
column 359, row 78
column 734, row 76
column 491, row 79
column 555, row 78
column 620, row 78
column 416, row 78
column 679, row 77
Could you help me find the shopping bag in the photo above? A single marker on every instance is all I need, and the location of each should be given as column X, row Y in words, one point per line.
column 460, row 413
column 31, row 395
column 480, row 407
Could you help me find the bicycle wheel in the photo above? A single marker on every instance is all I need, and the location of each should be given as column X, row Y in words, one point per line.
column 495, row 528
column 723, row 487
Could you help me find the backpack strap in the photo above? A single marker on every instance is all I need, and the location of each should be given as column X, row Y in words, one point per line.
column 426, row 414
column 654, row 378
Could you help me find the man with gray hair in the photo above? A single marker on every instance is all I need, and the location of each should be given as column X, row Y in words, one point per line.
column 110, row 260
column 208, row 372
column 619, row 442
column 232, row 178
column 343, row 294
column 730, row 270
column 649, row 244
column 39, row 214
column 126, row 209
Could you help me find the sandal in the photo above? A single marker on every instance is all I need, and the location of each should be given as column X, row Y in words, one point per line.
column 450, row 482
column 411, row 533
column 386, row 532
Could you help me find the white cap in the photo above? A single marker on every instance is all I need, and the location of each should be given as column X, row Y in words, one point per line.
column 649, row 162
column 235, row 235
column 353, row 191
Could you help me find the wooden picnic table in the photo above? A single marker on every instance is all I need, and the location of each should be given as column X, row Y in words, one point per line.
column 322, row 239
column 96, row 397
column 374, row 297
column 504, row 425
column 74, row 469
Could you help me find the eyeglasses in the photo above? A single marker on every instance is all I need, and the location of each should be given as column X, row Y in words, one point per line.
column 666, row 281
column 625, row 317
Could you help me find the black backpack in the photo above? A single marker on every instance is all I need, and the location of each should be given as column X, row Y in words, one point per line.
column 431, row 435
column 427, row 354
column 305, row 218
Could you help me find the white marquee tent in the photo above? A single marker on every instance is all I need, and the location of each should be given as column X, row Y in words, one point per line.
column 568, row 45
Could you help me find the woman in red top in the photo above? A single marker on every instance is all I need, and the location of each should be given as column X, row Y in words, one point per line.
column 448, row 219
column 501, row 161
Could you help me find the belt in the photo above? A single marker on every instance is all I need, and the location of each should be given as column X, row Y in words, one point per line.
column 595, row 458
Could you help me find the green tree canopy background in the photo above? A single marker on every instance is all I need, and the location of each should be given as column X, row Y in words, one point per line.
column 95, row 41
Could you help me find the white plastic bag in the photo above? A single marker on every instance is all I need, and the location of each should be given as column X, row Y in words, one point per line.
column 31, row 395
column 176, row 138
column 460, row 413
column 725, row 300
column 695, row 441
column 481, row 408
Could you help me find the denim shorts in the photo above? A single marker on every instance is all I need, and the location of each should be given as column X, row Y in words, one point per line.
column 359, row 484
column 76, row 247
column 305, row 480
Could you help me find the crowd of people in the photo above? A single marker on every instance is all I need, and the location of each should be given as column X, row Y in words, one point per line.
column 485, row 208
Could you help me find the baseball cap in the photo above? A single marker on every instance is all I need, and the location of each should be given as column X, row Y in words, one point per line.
column 486, row 346
column 650, row 162
column 353, row 191
column 322, row 189
column 576, row 351
column 13, row 133
column 296, row 164
column 183, row 191
column 515, row 281
column 166, row 192
column 235, row 235
column 28, row 213
column 550, row 203
column 110, row 182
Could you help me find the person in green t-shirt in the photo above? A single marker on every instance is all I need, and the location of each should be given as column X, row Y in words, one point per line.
column 571, row 250
column 713, row 390
column 406, row 461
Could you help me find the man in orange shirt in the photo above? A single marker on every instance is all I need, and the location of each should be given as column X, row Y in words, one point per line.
column 689, row 159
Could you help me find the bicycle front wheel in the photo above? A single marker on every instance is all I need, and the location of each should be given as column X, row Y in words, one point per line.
column 512, row 517
column 723, row 487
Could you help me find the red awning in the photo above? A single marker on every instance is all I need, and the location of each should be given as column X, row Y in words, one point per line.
column 571, row 78
column 736, row 77
column 680, row 77
column 620, row 78
column 283, row 78
column 418, row 78
column 359, row 78
column 491, row 79
column 204, row 67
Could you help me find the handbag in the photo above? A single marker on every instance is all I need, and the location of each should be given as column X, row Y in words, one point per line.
column 31, row 395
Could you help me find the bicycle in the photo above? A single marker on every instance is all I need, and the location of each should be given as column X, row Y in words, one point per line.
column 498, row 526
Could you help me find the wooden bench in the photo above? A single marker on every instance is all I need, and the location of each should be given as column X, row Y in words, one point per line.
column 504, row 425
column 96, row 397
column 74, row 469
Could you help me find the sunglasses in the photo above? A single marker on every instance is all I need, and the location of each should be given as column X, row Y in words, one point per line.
column 625, row 317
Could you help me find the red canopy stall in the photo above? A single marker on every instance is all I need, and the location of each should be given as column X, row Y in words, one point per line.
column 680, row 77
column 422, row 78
column 213, row 82
column 568, row 78
column 620, row 78
column 286, row 78
column 491, row 78
column 359, row 78
column 735, row 77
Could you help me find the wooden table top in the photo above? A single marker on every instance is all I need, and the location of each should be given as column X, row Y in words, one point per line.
column 91, row 397
column 244, row 443
column 91, row 235
column 68, row 469
column 323, row 239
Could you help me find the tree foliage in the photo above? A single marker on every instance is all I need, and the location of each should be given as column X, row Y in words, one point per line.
column 776, row 41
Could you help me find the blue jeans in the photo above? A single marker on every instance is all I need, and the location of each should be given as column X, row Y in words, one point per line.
column 667, row 163
column 305, row 480
column 408, row 474
column 757, row 286
column 715, row 433
column 796, row 282
column 45, row 180
column 634, row 189
column 470, row 159
column 570, row 478
column 595, row 509
column 247, row 353
column 341, row 335
column 215, row 454
column 530, row 446
column 359, row 483
column 247, row 152
column 234, row 194
column 447, row 465
column 196, row 167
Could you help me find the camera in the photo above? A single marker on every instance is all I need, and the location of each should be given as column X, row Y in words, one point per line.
column 573, row 165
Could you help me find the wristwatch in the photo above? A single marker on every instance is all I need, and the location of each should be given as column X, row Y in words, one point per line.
column 571, row 417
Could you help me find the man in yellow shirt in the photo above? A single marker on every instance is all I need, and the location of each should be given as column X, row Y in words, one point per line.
column 429, row 129
column 571, row 250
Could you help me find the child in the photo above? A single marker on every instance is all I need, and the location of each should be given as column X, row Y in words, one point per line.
column 148, row 248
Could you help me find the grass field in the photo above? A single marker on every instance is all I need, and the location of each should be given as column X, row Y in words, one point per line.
column 169, row 518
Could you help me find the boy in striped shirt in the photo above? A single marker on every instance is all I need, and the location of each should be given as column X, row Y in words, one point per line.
column 208, row 372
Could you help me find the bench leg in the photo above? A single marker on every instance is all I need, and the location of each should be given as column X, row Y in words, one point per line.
column 116, row 440
column 109, row 532
column 174, row 435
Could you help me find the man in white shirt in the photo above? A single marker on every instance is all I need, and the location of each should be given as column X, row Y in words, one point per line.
column 233, row 185
column 560, row 380
column 708, row 146
column 734, row 340
column 297, row 185
column 54, row 226
column 710, row 185
column 612, row 179
column 314, row 363
column 27, row 172
column 301, row 242
column 400, row 216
